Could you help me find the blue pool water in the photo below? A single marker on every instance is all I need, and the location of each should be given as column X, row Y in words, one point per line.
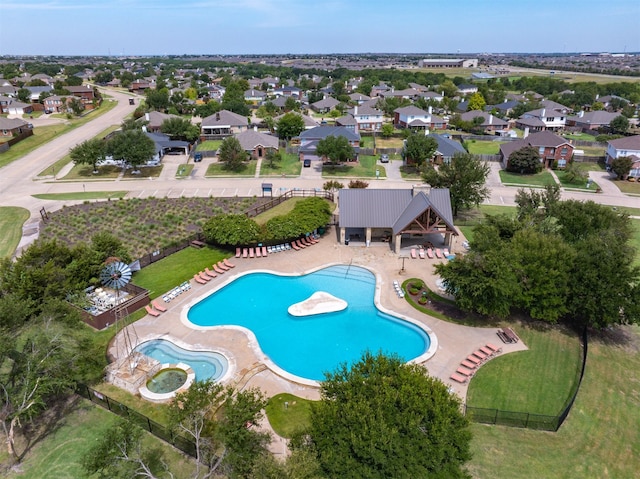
column 206, row 364
column 310, row 346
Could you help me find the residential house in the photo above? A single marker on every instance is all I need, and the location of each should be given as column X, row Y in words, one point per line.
column 406, row 94
column 309, row 139
column 154, row 119
column 379, row 89
column 552, row 116
column 359, row 98
column 606, row 100
column 215, row 92
column 447, row 149
column 397, row 216
column 288, row 91
column 254, row 96
column 490, row 123
column 347, row 121
column 551, row 148
column 164, row 144
column 257, row 144
column 416, row 118
column 18, row 108
column 36, row 91
column 431, row 95
column 43, row 77
column 367, row 118
column 140, row 86
column 627, row 146
column 4, row 103
column 591, row 120
column 222, row 124
column 325, row 105
column 466, row 89
column 55, row 104
column 10, row 127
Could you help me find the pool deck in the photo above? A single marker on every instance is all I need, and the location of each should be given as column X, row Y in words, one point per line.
column 247, row 368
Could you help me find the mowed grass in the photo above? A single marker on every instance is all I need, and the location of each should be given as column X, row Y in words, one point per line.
column 541, row 179
column 59, row 455
column 628, row 187
column 364, row 168
column 483, row 147
column 11, row 220
column 288, row 413
column 210, row 145
column 169, row 272
column 81, row 195
column 599, row 439
column 290, row 165
column 539, row 380
column 218, row 169
column 576, row 185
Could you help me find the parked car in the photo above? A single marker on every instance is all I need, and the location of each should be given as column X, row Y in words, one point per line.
column 384, row 158
column 197, row 157
column 306, row 163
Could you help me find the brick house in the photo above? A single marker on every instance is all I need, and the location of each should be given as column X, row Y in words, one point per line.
column 551, row 148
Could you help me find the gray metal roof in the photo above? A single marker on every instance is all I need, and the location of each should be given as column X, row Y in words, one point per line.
column 320, row 132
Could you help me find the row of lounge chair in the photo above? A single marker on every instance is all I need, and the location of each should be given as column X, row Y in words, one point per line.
column 221, row 267
column 155, row 308
column 470, row 365
column 430, row 253
column 398, row 288
column 178, row 290
column 263, row 251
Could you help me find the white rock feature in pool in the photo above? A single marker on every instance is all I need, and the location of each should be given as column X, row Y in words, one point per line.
column 318, row 303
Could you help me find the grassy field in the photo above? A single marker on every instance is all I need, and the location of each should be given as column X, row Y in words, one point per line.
column 599, row 439
column 290, row 165
column 44, row 134
column 288, row 413
column 365, row 168
column 169, row 272
column 11, row 220
column 577, row 185
column 91, row 195
column 217, row 169
column 60, row 453
column 483, row 147
column 393, row 142
column 541, row 179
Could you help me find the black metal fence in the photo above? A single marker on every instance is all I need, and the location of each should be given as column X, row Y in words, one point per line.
column 160, row 253
column 162, row 432
column 530, row 420
column 296, row 192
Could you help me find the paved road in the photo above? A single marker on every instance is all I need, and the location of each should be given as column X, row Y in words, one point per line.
column 18, row 181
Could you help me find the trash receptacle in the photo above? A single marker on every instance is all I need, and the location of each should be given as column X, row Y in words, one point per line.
column 346, row 241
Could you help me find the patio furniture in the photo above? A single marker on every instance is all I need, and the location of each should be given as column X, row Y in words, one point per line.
column 245, row 252
column 159, row 307
column 264, row 251
column 198, row 279
column 459, row 378
column 438, row 253
column 228, row 263
column 238, row 252
column 252, row 254
column 430, row 253
column 413, row 253
column 210, row 273
column 217, row 270
column 151, row 311
column 468, row 364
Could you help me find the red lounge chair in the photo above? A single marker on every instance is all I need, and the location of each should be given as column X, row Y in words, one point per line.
column 252, row 253
column 413, row 253
column 245, row 252
column 480, row 355
column 204, row 276
column 228, row 263
column 459, row 378
column 474, row 360
column 151, row 311
column 210, row 273
column 258, row 252
column 217, row 270
column 264, row 251
column 430, row 253
column 300, row 244
column 198, row 279
column 222, row 266
column 305, row 242
column 159, row 307
column 238, row 252
column 464, row 371
column 295, row 246
column 468, row 364
column 486, row 351
column 493, row 348
column 438, row 253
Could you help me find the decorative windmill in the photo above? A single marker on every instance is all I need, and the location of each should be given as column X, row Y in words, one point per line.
column 116, row 275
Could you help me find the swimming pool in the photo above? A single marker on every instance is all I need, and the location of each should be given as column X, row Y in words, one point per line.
column 312, row 345
column 205, row 364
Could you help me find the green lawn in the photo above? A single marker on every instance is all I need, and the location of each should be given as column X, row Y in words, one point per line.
column 538, row 381
column 600, row 438
column 184, row 170
column 169, row 272
column 143, row 172
column 217, row 169
column 409, row 173
column 210, row 145
column 44, row 134
column 290, row 165
column 578, row 185
column 60, row 453
column 89, row 195
column 628, row 187
column 483, row 147
column 286, row 419
column 11, row 220
column 85, row 172
column 364, row 168
column 635, row 240
column 541, row 179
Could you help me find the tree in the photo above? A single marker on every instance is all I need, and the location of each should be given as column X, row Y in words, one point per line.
column 476, row 102
column 231, row 230
column 525, row 161
column 383, row 418
column 387, row 130
column 622, row 166
column 575, row 174
column 180, row 129
column 336, row 148
column 332, row 185
column 233, row 98
column 273, row 157
column 88, row 152
column 24, row 95
column 157, row 99
column 76, row 106
column 465, row 176
column 290, row 125
column 132, row 146
column 419, row 149
column 290, row 104
column 232, row 154
column 620, row 124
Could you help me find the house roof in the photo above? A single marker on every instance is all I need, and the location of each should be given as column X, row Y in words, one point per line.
column 390, row 208
column 156, row 118
column 532, row 122
column 252, row 93
column 162, row 141
column 359, row 97
column 594, row 117
column 504, row 106
column 446, row 146
column 365, row 110
column 487, row 118
column 626, row 143
column 250, row 140
column 320, row 132
column 408, row 92
column 12, row 123
column 328, row 102
column 225, row 117
column 542, row 138
column 410, row 110
column 347, row 120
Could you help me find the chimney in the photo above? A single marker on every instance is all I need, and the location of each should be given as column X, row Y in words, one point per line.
column 581, row 114
column 526, row 132
column 218, row 116
column 146, row 116
column 355, row 110
column 430, row 110
column 505, row 100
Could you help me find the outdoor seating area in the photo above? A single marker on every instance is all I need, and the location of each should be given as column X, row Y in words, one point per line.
column 175, row 292
column 507, row 336
column 398, row 288
column 102, row 299
column 427, row 251
column 470, row 365
column 263, row 251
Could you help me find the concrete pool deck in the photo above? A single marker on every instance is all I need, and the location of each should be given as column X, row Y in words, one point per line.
column 246, row 361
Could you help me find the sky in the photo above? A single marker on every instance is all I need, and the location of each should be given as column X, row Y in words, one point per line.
column 178, row 27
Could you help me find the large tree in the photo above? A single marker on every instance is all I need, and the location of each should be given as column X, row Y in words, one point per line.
column 620, row 124
column 232, row 154
column 336, row 148
column 476, row 102
column 465, row 176
column 157, row 99
column 180, row 129
column 88, row 152
column 526, row 160
column 134, row 147
column 383, row 418
column 419, row 149
column 621, row 166
column 291, row 124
